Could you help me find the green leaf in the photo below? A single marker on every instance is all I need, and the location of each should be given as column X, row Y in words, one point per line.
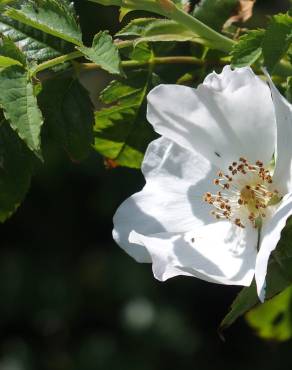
column 7, row 62
column 273, row 320
column 248, row 49
column 279, row 277
column 69, row 116
column 214, row 13
column 103, row 53
column 154, row 30
column 121, row 130
column 9, row 50
column 108, row 2
column 245, row 300
column 167, row 30
column 289, row 89
column 55, row 17
column 137, row 27
column 36, row 45
column 141, row 52
column 20, row 105
column 120, row 90
column 277, row 39
column 15, row 171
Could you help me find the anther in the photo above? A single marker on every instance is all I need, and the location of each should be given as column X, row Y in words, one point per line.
column 259, row 163
column 251, row 192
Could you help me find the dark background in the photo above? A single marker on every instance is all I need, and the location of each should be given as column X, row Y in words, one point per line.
column 72, row 299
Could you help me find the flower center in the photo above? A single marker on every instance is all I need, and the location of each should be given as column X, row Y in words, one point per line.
column 245, row 194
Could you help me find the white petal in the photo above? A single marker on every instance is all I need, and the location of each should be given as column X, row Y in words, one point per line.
column 219, row 252
column 270, row 235
column 172, row 199
column 229, row 116
column 283, row 171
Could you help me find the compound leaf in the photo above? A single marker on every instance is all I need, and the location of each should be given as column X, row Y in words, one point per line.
column 55, row 17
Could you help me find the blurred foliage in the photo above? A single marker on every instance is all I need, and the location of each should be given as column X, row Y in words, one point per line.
column 70, row 299
column 272, row 320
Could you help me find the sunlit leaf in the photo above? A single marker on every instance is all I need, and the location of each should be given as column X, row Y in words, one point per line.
column 7, row 62
column 103, row 53
column 248, row 49
column 277, row 39
column 151, row 29
column 55, row 17
column 121, row 130
column 36, row 45
column 273, row 319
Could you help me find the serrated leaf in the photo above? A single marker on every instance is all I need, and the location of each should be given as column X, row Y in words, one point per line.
column 155, row 30
column 141, row 52
column 103, row 53
column 20, row 105
column 279, row 277
column 121, row 131
column 248, row 49
column 54, row 17
column 214, row 13
column 119, row 90
column 36, row 45
column 10, row 50
column 273, row 320
column 69, row 116
column 167, row 30
column 277, row 39
column 136, row 27
column 15, row 171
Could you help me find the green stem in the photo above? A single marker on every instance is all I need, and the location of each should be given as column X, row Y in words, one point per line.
column 123, row 43
column 125, row 64
column 168, row 9
column 213, row 38
column 71, row 56
column 54, row 62
column 164, row 60
column 152, row 6
column 153, row 61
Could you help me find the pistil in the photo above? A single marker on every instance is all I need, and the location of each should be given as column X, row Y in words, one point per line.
column 246, row 193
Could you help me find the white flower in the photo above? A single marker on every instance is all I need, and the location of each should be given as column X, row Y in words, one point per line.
column 211, row 208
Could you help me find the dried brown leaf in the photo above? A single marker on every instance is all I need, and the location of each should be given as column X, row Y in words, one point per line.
column 243, row 13
column 110, row 164
column 187, row 7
